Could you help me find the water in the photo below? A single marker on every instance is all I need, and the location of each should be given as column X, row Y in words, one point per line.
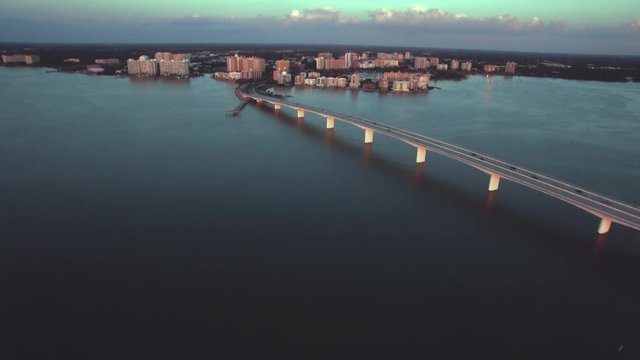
column 138, row 221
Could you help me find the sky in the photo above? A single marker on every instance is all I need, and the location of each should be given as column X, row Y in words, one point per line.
column 574, row 26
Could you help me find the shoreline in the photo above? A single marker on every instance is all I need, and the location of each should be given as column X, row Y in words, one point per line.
column 50, row 69
column 558, row 75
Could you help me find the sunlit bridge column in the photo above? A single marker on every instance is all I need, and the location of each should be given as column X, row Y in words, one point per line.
column 368, row 136
column 330, row 122
column 422, row 154
column 300, row 113
column 494, row 183
column 605, row 225
column 277, row 106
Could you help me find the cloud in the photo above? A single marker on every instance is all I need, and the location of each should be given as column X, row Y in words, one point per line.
column 416, row 26
column 194, row 20
column 421, row 17
column 318, row 14
column 414, row 15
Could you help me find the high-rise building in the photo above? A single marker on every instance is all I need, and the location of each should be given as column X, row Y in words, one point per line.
column 282, row 69
column 400, row 85
column 181, row 68
column 354, row 81
column 12, row 59
column 334, row 64
column 250, row 68
column 148, row 67
column 382, row 63
column 31, row 59
column 490, row 68
column 326, row 55
column 143, row 66
column 311, row 81
column 350, row 60
column 233, row 63
column 20, row 59
column 396, row 76
column 174, row 67
column 466, row 66
column 165, row 67
column 421, row 62
column 178, row 64
column 423, row 81
column 383, row 85
column 282, row 78
column 133, row 67
column 394, row 56
column 180, row 57
column 108, row 61
column 510, row 67
column 283, row 66
column 434, row 61
column 366, row 64
column 320, row 63
column 455, row 64
column 166, row 56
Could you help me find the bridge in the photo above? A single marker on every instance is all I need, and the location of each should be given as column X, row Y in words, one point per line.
column 607, row 209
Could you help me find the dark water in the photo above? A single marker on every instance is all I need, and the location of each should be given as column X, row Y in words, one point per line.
column 137, row 221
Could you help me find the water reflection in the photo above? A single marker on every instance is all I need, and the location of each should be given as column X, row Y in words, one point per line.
column 141, row 81
column 434, row 189
column 598, row 247
column 430, row 245
column 368, row 153
column 174, row 82
column 330, row 137
column 150, row 82
column 418, row 173
column 382, row 93
column 490, row 201
column 488, row 90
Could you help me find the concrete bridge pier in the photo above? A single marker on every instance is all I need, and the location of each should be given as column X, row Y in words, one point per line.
column 300, row 113
column 277, row 106
column 421, row 156
column 494, row 182
column 605, row 225
column 330, row 122
column 368, row 136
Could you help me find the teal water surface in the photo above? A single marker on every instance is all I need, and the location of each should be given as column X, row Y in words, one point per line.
column 138, row 221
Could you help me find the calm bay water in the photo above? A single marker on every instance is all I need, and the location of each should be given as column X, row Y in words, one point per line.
column 137, row 221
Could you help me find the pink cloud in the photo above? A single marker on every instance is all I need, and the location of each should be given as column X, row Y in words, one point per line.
column 430, row 18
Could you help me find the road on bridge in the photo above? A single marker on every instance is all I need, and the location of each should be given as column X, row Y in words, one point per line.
column 608, row 209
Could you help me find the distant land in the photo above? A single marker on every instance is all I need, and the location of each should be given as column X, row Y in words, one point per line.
column 210, row 57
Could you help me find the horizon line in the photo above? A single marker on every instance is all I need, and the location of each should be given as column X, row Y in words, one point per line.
column 72, row 43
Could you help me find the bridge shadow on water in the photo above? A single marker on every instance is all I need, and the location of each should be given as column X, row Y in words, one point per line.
column 533, row 228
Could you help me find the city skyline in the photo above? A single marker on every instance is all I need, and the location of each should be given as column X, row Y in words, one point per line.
column 542, row 26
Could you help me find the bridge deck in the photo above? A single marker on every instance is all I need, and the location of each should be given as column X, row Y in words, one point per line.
column 599, row 205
